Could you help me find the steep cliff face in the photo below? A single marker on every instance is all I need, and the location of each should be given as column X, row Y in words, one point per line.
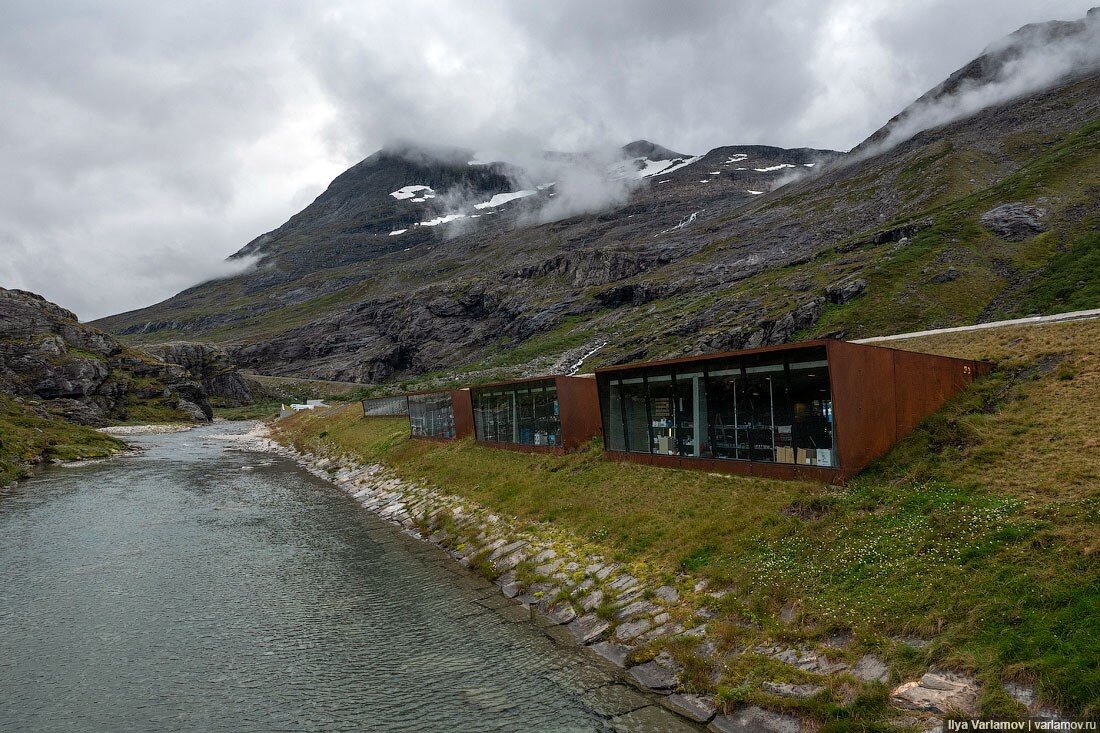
column 211, row 366
column 85, row 375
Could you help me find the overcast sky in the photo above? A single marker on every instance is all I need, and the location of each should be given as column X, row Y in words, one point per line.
column 143, row 142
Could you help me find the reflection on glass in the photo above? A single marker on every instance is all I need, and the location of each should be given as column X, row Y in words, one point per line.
column 771, row 407
column 691, row 409
column 432, row 415
column 611, row 408
column 662, row 416
column 385, row 406
column 635, row 415
column 525, row 413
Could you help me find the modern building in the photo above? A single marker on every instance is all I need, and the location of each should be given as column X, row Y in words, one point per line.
column 818, row 410
column 541, row 414
column 441, row 415
column 393, row 406
column 285, row 411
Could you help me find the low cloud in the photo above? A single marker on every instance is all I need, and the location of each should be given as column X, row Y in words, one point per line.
column 583, row 190
column 1033, row 59
column 143, row 143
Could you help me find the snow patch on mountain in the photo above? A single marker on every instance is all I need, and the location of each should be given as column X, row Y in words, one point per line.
column 683, row 164
column 771, row 168
column 441, row 220
column 410, row 192
column 502, row 198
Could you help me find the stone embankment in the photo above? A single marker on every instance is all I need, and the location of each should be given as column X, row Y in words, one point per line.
column 656, row 629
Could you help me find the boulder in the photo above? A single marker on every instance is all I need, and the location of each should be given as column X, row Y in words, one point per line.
column 938, row 692
column 588, row 628
column 753, row 719
column 846, row 290
column 655, row 676
column 561, row 612
column 693, row 707
column 667, row 593
column 631, row 630
column 617, row 654
column 1014, row 222
column 870, row 668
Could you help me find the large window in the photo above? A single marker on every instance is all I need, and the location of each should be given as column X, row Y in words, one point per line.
column 432, row 415
column 385, row 406
column 525, row 413
column 770, row 407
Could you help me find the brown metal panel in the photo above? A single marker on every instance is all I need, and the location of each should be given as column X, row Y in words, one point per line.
column 924, row 382
column 463, row 407
column 578, row 410
column 862, row 384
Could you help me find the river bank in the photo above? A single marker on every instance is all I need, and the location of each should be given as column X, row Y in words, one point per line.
column 968, row 552
column 190, row 587
column 29, row 441
column 662, row 631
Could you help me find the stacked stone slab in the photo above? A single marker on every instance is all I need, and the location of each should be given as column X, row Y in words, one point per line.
column 621, row 615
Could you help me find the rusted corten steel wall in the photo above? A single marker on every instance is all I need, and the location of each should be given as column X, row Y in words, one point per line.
column 882, row 394
column 464, row 413
column 578, row 410
column 879, row 396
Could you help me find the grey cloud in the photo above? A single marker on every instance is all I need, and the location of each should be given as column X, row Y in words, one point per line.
column 1030, row 60
column 142, row 143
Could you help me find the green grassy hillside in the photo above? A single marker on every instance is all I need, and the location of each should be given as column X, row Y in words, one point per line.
column 977, row 532
column 28, row 438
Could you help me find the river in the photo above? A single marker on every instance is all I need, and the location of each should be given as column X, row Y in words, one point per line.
column 193, row 587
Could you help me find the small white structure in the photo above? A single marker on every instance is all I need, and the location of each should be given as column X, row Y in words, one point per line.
column 285, row 411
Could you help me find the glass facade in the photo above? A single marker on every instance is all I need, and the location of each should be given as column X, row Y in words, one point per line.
column 525, row 413
column 385, row 406
column 772, row 407
column 432, row 415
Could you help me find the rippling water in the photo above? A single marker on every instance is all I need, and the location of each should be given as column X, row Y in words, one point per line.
column 194, row 588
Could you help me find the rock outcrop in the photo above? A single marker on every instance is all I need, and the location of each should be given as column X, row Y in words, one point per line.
column 210, row 365
column 87, row 376
column 1014, row 222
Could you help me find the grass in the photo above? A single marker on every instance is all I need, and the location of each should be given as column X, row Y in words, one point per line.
column 978, row 531
column 25, row 438
column 152, row 411
column 256, row 411
column 1068, row 283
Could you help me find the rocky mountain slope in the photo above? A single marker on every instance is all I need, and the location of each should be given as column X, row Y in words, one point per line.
column 59, row 367
column 419, row 262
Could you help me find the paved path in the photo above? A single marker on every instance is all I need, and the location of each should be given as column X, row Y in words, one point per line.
column 1031, row 320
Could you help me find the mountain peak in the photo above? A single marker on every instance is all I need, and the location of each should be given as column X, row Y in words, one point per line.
column 422, row 153
column 1035, row 57
column 652, row 151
